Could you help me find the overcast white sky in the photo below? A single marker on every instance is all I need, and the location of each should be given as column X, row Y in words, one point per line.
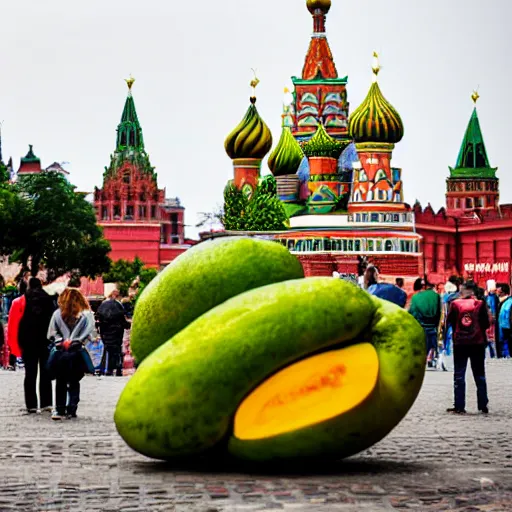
column 63, row 63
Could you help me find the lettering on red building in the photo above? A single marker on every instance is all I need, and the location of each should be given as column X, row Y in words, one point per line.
column 489, row 268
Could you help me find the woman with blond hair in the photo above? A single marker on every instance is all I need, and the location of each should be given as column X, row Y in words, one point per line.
column 70, row 328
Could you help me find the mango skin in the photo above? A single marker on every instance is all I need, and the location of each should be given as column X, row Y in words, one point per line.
column 183, row 397
column 200, row 279
column 400, row 344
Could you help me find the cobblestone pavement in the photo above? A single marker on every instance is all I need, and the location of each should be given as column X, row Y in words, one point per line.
column 432, row 461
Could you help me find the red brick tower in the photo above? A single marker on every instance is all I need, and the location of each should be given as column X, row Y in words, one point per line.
column 137, row 218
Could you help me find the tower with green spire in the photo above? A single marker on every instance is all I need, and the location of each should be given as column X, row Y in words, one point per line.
column 130, row 198
column 472, row 184
column 129, row 131
column 129, row 141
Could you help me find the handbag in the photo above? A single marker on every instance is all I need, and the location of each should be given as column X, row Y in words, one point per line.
column 88, row 365
column 95, row 348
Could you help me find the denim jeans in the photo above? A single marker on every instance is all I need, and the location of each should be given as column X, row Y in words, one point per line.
column 476, row 354
column 431, row 334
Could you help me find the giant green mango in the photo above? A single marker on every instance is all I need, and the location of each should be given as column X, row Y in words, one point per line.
column 346, row 367
column 202, row 278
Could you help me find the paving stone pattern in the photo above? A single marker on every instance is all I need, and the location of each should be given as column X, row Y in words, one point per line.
column 432, row 461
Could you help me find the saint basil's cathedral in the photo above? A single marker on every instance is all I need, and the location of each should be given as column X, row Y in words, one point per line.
column 335, row 180
column 344, row 197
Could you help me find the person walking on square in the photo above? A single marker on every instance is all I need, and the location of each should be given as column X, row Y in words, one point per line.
column 13, row 325
column 33, row 343
column 112, row 324
column 426, row 308
column 386, row 291
column 70, row 328
column 504, row 320
column 469, row 318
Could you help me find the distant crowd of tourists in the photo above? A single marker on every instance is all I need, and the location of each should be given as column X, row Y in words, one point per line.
column 458, row 318
column 50, row 334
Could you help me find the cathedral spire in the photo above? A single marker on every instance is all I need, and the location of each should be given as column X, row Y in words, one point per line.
column 129, row 131
column 319, row 60
column 472, row 159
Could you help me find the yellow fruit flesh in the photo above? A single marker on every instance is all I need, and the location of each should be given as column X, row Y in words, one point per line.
column 308, row 392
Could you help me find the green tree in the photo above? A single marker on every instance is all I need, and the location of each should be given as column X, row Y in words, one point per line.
column 124, row 273
column 52, row 225
column 4, row 174
column 261, row 212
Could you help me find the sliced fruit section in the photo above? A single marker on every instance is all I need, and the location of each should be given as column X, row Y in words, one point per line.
column 308, row 392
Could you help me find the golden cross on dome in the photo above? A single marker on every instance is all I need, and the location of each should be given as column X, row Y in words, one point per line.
column 475, row 96
column 254, row 82
column 129, row 82
column 375, row 66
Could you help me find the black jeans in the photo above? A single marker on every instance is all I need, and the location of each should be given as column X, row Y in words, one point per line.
column 112, row 360
column 476, row 354
column 35, row 361
column 63, row 388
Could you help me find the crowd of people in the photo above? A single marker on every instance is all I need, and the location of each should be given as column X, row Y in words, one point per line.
column 459, row 319
column 50, row 333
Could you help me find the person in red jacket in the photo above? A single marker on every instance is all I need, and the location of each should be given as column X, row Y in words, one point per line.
column 13, row 324
column 469, row 318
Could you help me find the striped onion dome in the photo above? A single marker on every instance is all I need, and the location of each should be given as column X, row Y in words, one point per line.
column 287, row 155
column 376, row 120
column 251, row 138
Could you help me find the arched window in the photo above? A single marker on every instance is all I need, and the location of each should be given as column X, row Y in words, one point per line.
column 388, row 246
column 363, row 176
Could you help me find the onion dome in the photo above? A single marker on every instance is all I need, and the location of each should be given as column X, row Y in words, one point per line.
column 323, row 5
column 287, row 155
column 251, row 138
column 376, row 120
column 322, row 144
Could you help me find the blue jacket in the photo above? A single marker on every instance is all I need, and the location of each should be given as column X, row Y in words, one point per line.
column 504, row 318
column 492, row 303
column 389, row 292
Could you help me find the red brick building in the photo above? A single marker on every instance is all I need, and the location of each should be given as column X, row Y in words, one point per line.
column 472, row 236
column 137, row 218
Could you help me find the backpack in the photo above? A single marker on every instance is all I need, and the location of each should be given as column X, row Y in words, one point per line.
column 467, row 329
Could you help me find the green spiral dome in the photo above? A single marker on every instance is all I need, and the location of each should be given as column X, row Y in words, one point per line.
column 251, row 138
column 322, row 144
column 287, row 155
column 376, row 120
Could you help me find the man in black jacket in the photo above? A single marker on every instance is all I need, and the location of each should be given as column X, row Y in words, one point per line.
column 112, row 324
column 33, row 340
